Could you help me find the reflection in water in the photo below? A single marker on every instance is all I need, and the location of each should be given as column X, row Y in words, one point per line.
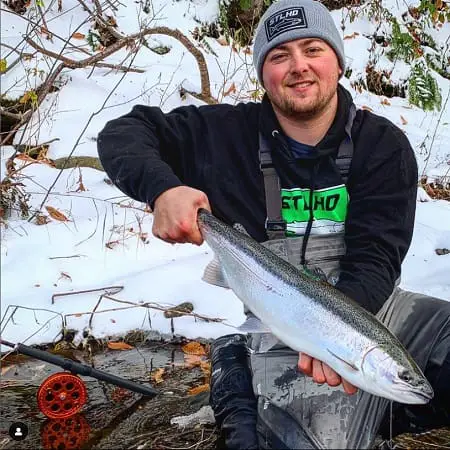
column 65, row 434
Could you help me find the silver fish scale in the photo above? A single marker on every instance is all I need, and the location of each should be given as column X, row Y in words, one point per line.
column 323, row 301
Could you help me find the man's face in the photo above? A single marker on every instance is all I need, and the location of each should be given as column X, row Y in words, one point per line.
column 301, row 77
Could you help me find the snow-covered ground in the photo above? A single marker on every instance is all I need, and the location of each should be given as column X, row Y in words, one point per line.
column 106, row 239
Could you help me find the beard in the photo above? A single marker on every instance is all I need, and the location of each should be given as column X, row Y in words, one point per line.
column 294, row 107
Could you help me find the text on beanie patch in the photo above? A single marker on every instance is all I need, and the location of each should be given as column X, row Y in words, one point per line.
column 285, row 20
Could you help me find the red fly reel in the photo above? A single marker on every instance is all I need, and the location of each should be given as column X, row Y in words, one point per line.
column 61, row 395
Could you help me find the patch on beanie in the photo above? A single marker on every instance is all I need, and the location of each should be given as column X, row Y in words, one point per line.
column 285, row 20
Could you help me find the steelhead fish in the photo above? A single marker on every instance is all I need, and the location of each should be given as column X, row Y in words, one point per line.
column 311, row 316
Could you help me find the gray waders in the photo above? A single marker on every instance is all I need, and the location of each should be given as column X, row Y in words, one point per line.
column 293, row 410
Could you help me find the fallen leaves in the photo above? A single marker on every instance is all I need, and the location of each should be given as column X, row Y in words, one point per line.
column 195, row 355
column 197, row 389
column 351, row 36
column 366, row 108
column 157, row 375
column 193, row 348
column 230, row 90
column 41, row 219
column 404, row 121
column 78, row 36
column 119, row 346
column 57, row 215
column 222, row 41
column 65, row 276
column 386, row 102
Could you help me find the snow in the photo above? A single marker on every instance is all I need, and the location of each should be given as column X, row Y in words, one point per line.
column 107, row 239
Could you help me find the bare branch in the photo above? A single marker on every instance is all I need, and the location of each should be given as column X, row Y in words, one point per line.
column 13, row 116
column 116, row 290
column 72, row 64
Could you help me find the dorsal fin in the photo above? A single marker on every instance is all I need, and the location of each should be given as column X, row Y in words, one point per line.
column 239, row 227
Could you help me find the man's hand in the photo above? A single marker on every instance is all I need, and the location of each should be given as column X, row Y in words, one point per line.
column 323, row 373
column 175, row 215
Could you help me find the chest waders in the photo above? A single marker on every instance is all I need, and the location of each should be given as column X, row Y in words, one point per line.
column 293, row 410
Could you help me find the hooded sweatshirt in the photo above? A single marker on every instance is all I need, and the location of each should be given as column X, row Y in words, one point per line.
column 215, row 149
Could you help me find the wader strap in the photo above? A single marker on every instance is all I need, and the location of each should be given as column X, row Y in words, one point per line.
column 275, row 225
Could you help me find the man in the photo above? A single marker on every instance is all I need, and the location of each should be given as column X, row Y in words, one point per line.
column 324, row 186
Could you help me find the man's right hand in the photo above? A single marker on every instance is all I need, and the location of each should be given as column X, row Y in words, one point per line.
column 175, row 215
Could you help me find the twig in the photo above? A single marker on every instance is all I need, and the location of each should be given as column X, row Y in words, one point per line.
column 48, row 34
column 94, row 310
column 72, row 64
column 14, row 116
column 65, row 257
column 98, row 312
column 435, row 130
column 99, row 19
column 16, row 307
column 80, row 136
column 116, row 289
column 160, row 308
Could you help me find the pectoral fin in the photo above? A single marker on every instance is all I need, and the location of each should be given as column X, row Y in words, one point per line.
column 253, row 325
column 350, row 364
column 214, row 274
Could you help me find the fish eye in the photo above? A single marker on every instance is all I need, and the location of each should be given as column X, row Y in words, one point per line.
column 405, row 376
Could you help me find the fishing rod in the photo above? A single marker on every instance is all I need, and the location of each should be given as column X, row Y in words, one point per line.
column 62, row 393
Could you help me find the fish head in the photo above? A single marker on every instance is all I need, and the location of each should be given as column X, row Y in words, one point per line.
column 396, row 376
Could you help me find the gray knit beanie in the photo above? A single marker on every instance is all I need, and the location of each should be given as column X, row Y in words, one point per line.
column 287, row 20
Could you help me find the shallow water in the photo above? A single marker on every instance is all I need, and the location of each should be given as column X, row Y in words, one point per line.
column 112, row 417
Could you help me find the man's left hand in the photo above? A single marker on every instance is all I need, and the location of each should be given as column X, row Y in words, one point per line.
column 323, row 373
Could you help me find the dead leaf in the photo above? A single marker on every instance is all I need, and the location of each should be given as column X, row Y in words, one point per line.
column 37, row 285
column 65, row 275
column 404, row 121
column 351, row 36
column 230, row 90
column 78, row 36
column 81, row 187
column 367, row 108
column 6, row 369
column 78, row 315
column 205, row 367
column 41, row 219
column 55, row 214
column 119, row 346
column 112, row 320
column 386, row 102
column 112, row 244
column 191, row 361
column 194, row 348
column 197, row 389
column 222, row 41
column 46, row 32
column 247, row 51
column 157, row 375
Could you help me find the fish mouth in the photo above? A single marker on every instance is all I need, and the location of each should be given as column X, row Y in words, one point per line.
column 426, row 396
column 419, row 396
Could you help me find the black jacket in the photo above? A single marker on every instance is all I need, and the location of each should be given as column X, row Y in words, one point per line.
column 215, row 149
